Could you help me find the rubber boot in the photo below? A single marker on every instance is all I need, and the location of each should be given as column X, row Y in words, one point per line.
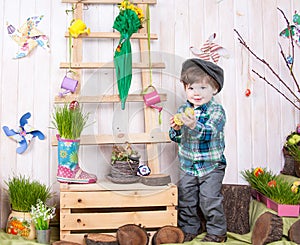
column 68, row 168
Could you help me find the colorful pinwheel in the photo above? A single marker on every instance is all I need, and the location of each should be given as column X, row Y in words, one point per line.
column 28, row 36
column 24, row 134
column 210, row 51
column 127, row 22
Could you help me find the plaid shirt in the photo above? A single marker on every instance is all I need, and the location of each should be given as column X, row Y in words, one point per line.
column 201, row 149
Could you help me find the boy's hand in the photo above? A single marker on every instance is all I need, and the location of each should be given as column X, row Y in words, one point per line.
column 173, row 124
column 189, row 120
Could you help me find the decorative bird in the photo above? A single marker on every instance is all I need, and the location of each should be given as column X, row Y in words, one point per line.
column 24, row 134
column 28, row 36
column 210, row 51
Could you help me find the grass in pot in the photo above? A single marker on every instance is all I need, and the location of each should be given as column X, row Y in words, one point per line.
column 23, row 193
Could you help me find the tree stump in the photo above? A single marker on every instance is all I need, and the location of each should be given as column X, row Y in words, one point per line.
column 267, row 228
column 168, row 234
column 100, row 239
column 294, row 234
column 236, row 207
column 132, row 234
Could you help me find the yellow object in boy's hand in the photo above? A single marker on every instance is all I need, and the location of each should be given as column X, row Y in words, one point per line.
column 177, row 119
column 189, row 111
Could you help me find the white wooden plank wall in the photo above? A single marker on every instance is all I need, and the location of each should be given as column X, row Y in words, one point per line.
column 256, row 125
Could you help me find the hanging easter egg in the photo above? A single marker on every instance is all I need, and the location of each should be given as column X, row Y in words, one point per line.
column 74, row 105
column 248, row 92
column 289, row 59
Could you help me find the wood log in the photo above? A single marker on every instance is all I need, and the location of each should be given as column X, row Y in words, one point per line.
column 156, row 179
column 168, row 234
column 293, row 233
column 267, row 228
column 132, row 234
column 100, row 239
column 236, row 207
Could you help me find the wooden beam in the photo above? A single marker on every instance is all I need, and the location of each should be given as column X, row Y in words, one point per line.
column 102, row 98
column 110, row 65
column 134, row 138
column 109, row 1
column 114, row 35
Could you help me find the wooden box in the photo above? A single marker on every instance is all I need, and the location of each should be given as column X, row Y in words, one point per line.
column 105, row 206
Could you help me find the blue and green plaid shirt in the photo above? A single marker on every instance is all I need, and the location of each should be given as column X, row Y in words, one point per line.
column 200, row 150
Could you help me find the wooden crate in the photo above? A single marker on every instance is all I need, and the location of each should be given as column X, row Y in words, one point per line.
column 105, row 206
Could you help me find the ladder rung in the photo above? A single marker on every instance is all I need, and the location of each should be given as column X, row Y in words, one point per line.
column 134, row 138
column 102, row 98
column 109, row 1
column 114, row 35
column 103, row 65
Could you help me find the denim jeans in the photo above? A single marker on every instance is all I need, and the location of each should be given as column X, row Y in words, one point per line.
column 204, row 193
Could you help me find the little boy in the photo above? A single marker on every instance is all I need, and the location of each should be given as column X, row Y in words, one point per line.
column 200, row 138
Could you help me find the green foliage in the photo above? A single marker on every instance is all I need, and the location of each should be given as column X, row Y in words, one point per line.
column 271, row 185
column 23, row 193
column 120, row 153
column 292, row 145
column 41, row 215
column 69, row 122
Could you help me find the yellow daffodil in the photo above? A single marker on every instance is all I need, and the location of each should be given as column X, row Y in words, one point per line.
column 295, row 187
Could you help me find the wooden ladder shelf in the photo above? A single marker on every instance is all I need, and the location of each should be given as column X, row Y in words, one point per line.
column 150, row 115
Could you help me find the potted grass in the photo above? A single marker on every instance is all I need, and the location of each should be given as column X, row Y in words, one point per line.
column 70, row 120
column 23, row 193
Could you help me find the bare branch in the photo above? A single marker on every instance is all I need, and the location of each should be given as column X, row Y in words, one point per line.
column 260, row 76
column 242, row 41
column 290, row 68
column 293, row 51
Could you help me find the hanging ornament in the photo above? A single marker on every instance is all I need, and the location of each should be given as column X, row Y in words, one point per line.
column 248, row 92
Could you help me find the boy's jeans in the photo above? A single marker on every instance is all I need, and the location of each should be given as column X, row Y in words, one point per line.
column 205, row 193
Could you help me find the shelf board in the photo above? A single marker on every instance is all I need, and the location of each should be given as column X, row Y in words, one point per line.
column 109, row 1
column 102, row 98
column 134, row 138
column 114, row 35
column 110, row 65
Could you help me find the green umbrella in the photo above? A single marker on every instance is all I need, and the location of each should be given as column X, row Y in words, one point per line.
column 127, row 23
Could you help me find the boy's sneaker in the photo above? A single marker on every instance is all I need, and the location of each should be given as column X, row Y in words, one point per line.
column 214, row 238
column 189, row 237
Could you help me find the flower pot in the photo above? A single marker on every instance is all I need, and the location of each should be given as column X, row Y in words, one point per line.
column 124, row 168
column 20, row 224
column 43, row 236
column 286, row 210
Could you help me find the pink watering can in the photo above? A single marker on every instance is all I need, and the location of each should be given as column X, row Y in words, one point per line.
column 151, row 99
column 69, row 84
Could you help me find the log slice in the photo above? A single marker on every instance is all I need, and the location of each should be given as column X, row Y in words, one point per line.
column 267, row 228
column 100, row 239
column 65, row 243
column 168, row 234
column 132, row 234
column 294, row 232
column 156, row 179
